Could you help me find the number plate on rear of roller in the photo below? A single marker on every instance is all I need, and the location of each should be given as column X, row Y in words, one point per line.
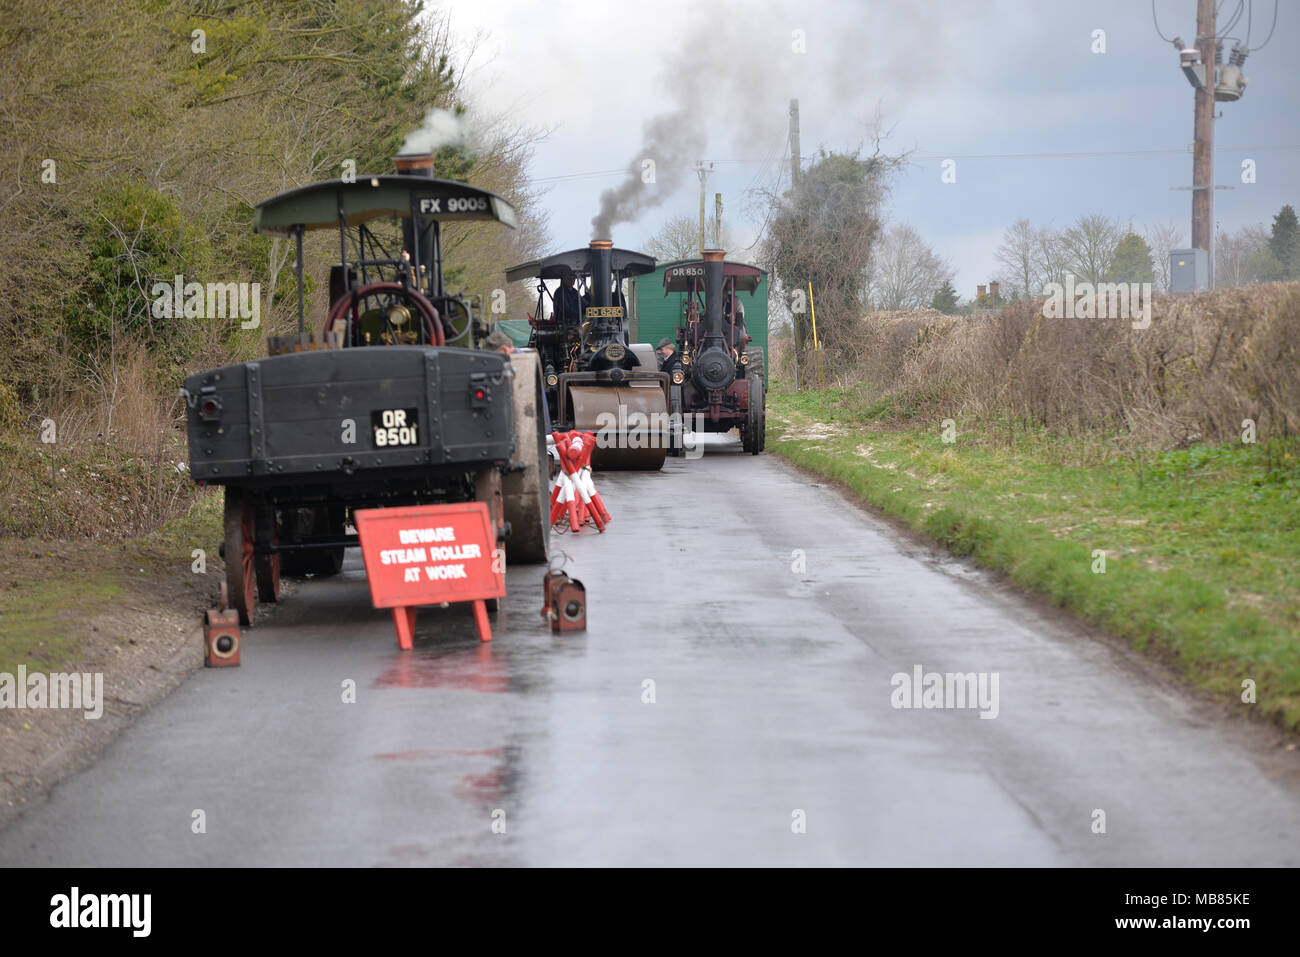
column 395, row 428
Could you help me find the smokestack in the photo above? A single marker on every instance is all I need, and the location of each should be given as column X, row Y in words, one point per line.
column 993, row 291
column 602, row 271
column 713, row 259
column 979, row 292
column 426, row 277
column 713, row 369
column 414, row 164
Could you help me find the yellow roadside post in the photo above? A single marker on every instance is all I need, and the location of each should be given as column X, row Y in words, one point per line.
column 817, row 349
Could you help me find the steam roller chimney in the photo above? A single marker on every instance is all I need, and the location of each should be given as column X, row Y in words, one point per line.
column 602, row 271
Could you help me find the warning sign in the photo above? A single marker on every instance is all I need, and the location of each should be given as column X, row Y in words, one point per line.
column 429, row 554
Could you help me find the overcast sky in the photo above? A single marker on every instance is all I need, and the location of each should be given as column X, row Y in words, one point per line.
column 983, row 83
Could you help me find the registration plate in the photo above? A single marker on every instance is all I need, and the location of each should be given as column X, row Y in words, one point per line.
column 395, row 428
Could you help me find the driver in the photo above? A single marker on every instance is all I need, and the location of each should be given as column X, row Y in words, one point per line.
column 740, row 336
column 568, row 306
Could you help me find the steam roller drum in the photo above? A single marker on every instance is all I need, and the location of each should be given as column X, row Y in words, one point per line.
column 632, row 442
column 525, row 495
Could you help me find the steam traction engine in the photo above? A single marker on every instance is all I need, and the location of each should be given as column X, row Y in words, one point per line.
column 596, row 379
column 724, row 376
column 390, row 405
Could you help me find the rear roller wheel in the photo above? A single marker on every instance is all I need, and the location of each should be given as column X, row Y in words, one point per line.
column 525, row 494
column 240, row 576
column 757, row 366
column 753, row 433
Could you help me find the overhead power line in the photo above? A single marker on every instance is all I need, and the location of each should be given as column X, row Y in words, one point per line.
column 928, row 157
column 1270, row 29
column 1157, row 23
column 1150, row 152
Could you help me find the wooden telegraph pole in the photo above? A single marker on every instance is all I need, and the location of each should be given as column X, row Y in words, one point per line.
column 703, row 172
column 1203, row 146
column 795, row 174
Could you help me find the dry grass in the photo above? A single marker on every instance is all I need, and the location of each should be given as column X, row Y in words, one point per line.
column 111, row 471
column 1206, row 363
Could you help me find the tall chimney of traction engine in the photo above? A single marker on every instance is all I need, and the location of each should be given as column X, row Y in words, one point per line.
column 713, row 259
column 602, row 271
column 414, row 164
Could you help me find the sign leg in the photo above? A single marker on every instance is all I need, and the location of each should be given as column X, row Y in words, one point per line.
column 481, row 620
column 404, row 619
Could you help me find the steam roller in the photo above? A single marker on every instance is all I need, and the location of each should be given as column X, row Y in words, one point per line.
column 596, row 379
column 725, row 387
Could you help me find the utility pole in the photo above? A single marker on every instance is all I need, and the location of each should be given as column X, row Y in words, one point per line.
column 795, row 175
column 1214, row 82
column 795, row 172
column 703, row 173
column 1203, row 143
column 717, row 220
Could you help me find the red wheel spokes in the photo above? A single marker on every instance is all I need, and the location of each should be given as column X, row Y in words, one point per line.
column 246, row 556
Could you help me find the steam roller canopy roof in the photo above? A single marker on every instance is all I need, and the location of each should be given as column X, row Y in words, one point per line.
column 578, row 261
column 679, row 276
column 370, row 197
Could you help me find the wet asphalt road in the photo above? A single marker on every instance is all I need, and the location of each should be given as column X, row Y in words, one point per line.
column 772, row 697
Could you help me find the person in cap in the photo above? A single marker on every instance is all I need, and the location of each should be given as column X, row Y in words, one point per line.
column 669, row 360
column 498, row 341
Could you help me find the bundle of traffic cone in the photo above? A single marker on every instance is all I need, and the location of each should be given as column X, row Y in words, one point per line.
column 575, row 493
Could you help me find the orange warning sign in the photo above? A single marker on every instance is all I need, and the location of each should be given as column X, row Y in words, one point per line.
column 429, row 554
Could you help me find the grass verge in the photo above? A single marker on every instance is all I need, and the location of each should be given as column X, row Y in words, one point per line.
column 1200, row 547
column 50, row 588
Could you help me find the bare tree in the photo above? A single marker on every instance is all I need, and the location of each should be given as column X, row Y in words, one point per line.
column 1163, row 238
column 1052, row 261
column 1089, row 246
column 679, row 238
column 1243, row 258
column 1022, row 256
column 904, row 272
